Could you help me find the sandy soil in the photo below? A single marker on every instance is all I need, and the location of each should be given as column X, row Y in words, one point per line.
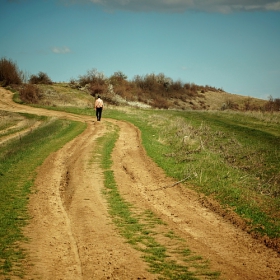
column 72, row 235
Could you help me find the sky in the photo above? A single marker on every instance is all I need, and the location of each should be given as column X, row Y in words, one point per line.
column 228, row 44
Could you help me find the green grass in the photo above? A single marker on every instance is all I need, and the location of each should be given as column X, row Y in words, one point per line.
column 18, row 162
column 72, row 110
column 232, row 157
column 143, row 230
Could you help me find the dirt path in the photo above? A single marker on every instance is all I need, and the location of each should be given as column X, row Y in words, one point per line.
column 74, row 238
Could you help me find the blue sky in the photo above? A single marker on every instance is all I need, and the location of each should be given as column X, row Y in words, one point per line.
column 234, row 45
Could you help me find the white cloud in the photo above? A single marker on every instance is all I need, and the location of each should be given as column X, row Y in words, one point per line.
column 13, row 1
column 221, row 6
column 273, row 6
column 61, row 50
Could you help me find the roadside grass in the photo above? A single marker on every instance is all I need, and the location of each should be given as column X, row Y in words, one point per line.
column 19, row 159
column 88, row 111
column 72, row 110
column 167, row 255
column 231, row 157
column 14, row 123
column 8, row 120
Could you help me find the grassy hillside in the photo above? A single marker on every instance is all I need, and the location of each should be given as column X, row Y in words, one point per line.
column 67, row 95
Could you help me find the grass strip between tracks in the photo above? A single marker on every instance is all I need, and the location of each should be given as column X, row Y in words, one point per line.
column 18, row 162
column 166, row 254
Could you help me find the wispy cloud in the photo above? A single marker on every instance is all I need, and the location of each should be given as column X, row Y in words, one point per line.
column 221, row 6
column 62, row 50
column 17, row 1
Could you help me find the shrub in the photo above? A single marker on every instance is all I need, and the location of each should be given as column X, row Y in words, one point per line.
column 147, row 83
column 9, row 73
column 191, row 89
column 176, row 86
column 118, row 78
column 277, row 104
column 29, row 94
column 161, row 103
column 92, row 77
column 229, row 105
column 96, row 89
column 41, row 78
column 272, row 104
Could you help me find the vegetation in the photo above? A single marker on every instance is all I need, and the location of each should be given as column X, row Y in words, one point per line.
column 228, row 156
column 155, row 90
column 9, row 73
column 41, row 78
column 29, row 94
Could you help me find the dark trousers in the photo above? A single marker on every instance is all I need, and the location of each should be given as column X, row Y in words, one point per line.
column 98, row 113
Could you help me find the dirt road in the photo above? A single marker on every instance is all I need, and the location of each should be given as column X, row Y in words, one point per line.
column 72, row 233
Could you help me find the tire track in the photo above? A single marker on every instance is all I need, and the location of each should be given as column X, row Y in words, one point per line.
column 232, row 251
column 71, row 231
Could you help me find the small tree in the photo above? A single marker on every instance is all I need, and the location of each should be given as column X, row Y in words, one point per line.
column 9, row 73
column 120, row 75
column 41, row 78
column 29, row 94
column 117, row 78
column 93, row 77
column 272, row 104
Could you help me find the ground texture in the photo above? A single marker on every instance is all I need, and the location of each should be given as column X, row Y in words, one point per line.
column 73, row 237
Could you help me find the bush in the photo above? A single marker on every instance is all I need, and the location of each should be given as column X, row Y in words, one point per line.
column 272, row 104
column 97, row 89
column 118, row 78
column 9, row 73
column 41, row 78
column 229, row 105
column 92, row 77
column 29, row 94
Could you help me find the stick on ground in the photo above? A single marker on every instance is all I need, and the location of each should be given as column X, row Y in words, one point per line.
column 173, row 185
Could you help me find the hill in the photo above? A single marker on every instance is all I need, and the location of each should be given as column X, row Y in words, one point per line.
column 69, row 94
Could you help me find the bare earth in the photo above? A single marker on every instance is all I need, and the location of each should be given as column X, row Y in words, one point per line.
column 73, row 237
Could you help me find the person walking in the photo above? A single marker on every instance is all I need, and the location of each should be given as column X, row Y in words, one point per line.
column 98, row 107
